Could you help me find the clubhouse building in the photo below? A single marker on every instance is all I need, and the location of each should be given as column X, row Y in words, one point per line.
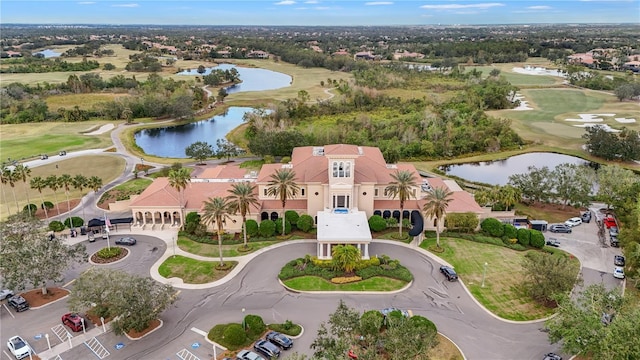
column 341, row 186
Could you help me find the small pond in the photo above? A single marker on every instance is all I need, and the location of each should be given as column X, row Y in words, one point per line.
column 253, row 79
column 171, row 141
column 498, row 172
column 48, row 53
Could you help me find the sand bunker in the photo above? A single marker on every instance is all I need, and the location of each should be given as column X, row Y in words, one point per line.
column 625, row 120
column 530, row 70
column 524, row 105
column 591, row 118
column 103, row 129
column 604, row 126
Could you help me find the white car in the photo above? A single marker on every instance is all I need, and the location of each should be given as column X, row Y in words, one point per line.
column 574, row 221
column 618, row 272
column 5, row 294
column 19, row 347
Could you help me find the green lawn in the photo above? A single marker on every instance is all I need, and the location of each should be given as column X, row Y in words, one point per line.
column 211, row 250
column 502, row 293
column 314, row 283
column 193, row 271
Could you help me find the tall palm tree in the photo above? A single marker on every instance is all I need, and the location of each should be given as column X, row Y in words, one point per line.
column 65, row 181
column 80, row 182
column 5, row 177
column 345, row 257
column 94, row 183
column 39, row 183
column 12, row 179
column 54, row 185
column 216, row 211
column 401, row 188
column 23, row 173
column 509, row 196
column 178, row 179
column 240, row 201
column 283, row 185
column 436, row 206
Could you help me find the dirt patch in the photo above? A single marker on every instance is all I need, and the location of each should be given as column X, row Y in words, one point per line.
column 95, row 319
column 152, row 326
column 98, row 260
column 35, row 298
column 54, row 212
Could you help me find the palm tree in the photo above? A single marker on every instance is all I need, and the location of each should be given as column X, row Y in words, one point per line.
column 283, row 185
column 54, row 185
column 12, row 178
column 345, row 257
column 5, row 177
column 178, row 179
column 240, row 201
column 216, row 211
column 94, row 183
column 509, row 196
column 65, row 181
column 23, row 173
column 401, row 187
column 39, row 183
column 80, row 182
column 436, row 207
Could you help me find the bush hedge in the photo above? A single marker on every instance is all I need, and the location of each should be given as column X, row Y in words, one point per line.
column 234, row 334
column 510, row 231
column 427, row 326
column 371, row 322
column 75, row 220
column 324, row 269
column 255, row 325
column 47, row 204
column 377, row 223
column 287, row 229
column 287, row 328
column 292, row 216
column 524, row 237
column 267, row 228
column 462, row 222
column 492, row 227
column 537, row 239
column 56, row 225
column 305, row 223
column 252, row 227
column 33, row 207
column 108, row 253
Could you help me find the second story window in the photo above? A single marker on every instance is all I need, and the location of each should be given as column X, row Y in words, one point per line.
column 341, row 169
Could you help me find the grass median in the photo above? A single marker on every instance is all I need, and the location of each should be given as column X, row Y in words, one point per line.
column 193, row 271
column 315, row 283
column 211, row 250
column 502, row 293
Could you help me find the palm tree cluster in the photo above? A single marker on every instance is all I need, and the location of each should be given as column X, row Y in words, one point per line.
column 22, row 173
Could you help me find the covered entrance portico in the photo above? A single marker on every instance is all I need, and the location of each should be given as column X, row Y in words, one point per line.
column 342, row 227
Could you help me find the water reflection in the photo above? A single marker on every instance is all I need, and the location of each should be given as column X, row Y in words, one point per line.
column 497, row 172
column 253, row 79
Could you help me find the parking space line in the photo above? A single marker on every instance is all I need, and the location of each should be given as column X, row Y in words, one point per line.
column 198, row 331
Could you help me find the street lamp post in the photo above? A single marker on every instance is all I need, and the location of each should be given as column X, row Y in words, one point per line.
column 484, row 274
column 244, row 324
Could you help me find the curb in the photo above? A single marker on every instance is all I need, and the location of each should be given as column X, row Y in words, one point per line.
column 143, row 336
column 49, row 303
column 345, row 292
column 454, row 344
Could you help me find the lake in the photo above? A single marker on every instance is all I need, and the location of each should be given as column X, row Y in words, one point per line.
column 48, row 53
column 171, row 141
column 498, row 172
column 253, row 79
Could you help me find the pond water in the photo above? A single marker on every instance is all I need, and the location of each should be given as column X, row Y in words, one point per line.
column 253, row 79
column 498, row 172
column 171, row 141
column 48, row 53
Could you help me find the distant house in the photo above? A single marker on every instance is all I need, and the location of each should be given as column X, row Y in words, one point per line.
column 341, row 52
column 364, row 55
column 258, row 54
column 11, row 54
column 581, row 58
column 632, row 65
column 405, row 54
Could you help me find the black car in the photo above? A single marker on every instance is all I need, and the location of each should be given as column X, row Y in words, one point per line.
column 586, row 217
column 126, row 241
column 267, row 348
column 614, row 242
column 449, row 273
column 279, row 339
column 552, row 356
column 618, row 260
column 19, row 303
column 560, row 228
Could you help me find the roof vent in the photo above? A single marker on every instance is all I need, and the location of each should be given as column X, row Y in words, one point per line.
column 318, row 151
column 360, row 152
column 287, row 166
column 392, row 166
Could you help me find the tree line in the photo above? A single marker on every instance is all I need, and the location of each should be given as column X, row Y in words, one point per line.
column 39, row 65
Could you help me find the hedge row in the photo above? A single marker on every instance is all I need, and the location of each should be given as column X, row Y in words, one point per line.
column 302, row 267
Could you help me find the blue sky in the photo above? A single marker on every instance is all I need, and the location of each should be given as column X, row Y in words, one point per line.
column 319, row 12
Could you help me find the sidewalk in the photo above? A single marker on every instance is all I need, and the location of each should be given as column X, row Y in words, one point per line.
column 76, row 340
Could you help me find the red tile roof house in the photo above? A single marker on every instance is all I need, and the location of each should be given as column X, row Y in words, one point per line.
column 341, row 186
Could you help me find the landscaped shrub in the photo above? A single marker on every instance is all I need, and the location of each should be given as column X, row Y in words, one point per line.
column 392, row 222
column 268, row 159
column 234, row 334
column 191, row 222
column 267, row 228
column 33, row 208
column 492, row 227
column 47, row 204
column 371, row 322
column 108, row 253
column 463, row 222
column 399, row 272
column 252, row 227
column 374, row 261
column 77, row 222
column 56, row 225
column 287, row 328
column 305, row 223
column 377, row 223
column 287, row 229
column 255, row 325
column 537, row 239
column 524, row 237
column 345, row 279
column 427, row 326
column 292, row 216
column 285, row 160
column 510, row 231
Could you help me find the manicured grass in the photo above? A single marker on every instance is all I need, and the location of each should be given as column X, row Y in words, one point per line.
column 27, row 141
column 106, row 167
column 550, row 213
column 193, row 271
column 314, row 283
column 502, row 294
column 125, row 190
column 211, row 250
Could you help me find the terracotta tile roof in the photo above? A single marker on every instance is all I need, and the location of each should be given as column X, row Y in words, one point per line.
column 229, row 171
column 159, row 193
column 291, row 205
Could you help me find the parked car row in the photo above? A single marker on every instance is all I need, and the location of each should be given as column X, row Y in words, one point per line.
column 270, row 347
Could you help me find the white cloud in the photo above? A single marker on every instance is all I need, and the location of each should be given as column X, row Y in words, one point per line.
column 461, row 6
column 126, row 5
column 539, row 7
column 285, row 2
column 322, row 8
column 86, row 2
column 375, row 3
column 311, row 2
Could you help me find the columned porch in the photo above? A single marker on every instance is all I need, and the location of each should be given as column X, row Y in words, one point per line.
column 342, row 226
